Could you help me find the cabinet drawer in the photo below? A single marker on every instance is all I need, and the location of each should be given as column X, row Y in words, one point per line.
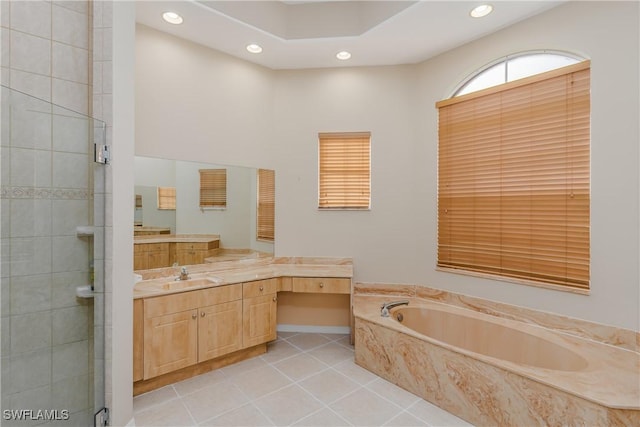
column 192, row 246
column 174, row 303
column 151, row 247
column 326, row 285
column 220, row 294
column 259, row 287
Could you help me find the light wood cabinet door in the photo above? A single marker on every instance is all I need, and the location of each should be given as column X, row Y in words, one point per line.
column 219, row 330
column 138, row 340
column 259, row 320
column 170, row 342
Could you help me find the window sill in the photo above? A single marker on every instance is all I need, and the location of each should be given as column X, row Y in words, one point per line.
column 533, row 283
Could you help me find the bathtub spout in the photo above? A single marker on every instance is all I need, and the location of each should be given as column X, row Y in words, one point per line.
column 385, row 307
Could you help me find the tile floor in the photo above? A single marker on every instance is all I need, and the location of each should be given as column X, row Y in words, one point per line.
column 303, row 380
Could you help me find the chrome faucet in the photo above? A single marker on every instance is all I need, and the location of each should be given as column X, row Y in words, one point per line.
column 184, row 274
column 385, row 307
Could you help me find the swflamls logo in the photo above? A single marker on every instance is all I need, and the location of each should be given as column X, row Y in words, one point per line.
column 36, row 415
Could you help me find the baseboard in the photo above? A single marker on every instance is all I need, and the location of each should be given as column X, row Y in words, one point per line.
column 314, row 329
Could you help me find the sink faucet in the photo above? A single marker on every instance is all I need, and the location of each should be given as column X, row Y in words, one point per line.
column 385, row 307
column 184, row 274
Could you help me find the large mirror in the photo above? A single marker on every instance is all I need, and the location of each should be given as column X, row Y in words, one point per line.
column 236, row 223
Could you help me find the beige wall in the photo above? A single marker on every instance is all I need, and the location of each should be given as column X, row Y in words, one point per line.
column 209, row 97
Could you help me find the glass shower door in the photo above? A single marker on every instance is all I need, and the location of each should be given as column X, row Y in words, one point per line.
column 51, row 275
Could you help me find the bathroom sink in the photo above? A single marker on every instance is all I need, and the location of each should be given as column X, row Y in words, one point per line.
column 190, row 283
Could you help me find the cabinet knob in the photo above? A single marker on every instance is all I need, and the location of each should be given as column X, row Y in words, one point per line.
column 202, row 314
column 261, row 288
column 194, row 315
column 321, row 285
column 275, row 299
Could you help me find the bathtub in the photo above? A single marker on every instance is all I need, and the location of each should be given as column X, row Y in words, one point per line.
column 490, row 370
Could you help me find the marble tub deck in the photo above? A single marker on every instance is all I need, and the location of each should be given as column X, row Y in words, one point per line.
column 487, row 391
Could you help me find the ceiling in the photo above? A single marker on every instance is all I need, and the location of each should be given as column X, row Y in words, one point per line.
column 308, row 34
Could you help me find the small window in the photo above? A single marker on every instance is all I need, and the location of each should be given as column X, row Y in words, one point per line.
column 166, row 198
column 344, row 170
column 515, row 67
column 213, row 188
column 266, row 204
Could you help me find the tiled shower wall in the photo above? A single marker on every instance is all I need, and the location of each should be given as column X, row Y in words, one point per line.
column 47, row 333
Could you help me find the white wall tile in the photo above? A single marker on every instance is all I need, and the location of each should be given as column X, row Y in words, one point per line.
column 70, row 254
column 70, row 170
column 30, row 332
column 69, row 360
column 70, row 63
column 30, row 167
column 30, row 217
column 33, row 17
column 35, row 84
column 5, row 45
column 71, row 134
column 30, row 255
column 30, row 129
column 34, row 399
column 70, row 324
column 70, row 27
column 80, row 6
column 30, row 53
column 30, row 370
column 71, row 95
column 73, row 393
column 30, row 294
column 67, row 215
column 63, row 288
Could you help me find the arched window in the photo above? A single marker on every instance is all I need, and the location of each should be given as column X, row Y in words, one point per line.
column 514, row 67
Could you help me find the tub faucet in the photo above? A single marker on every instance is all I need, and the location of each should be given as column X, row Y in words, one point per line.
column 184, row 274
column 385, row 307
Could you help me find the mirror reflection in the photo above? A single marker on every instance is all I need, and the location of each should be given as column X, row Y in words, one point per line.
column 174, row 198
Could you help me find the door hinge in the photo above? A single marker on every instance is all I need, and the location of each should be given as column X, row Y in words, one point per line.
column 101, row 154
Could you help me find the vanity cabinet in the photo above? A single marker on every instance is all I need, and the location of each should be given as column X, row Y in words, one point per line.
column 150, row 255
column 259, row 303
column 194, row 252
column 183, row 329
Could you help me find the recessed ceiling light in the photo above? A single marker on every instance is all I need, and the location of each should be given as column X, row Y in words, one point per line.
column 172, row 18
column 254, row 48
column 480, row 11
column 343, row 56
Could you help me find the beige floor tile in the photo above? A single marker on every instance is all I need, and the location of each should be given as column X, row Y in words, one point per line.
column 355, row 372
column 284, row 335
column 329, row 386
column 244, row 366
column 323, row 418
column 153, row 398
column 199, row 382
column 279, row 350
column 405, row 420
column 332, row 353
column 365, row 408
column 308, row 341
column 300, row 366
column 392, row 392
column 288, row 405
column 247, row 415
column 214, row 400
column 258, row 382
column 173, row 413
column 435, row 416
column 335, row 337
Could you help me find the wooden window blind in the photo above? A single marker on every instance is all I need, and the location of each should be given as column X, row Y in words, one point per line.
column 344, row 180
column 266, row 204
column 213, row 188
column 166, row 198
column 514, row 179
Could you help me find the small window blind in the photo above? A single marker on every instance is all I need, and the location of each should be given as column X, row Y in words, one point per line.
column 344, row 178
column 266, row 204
column 213, row 188
column 514, row 179
column 166, row 198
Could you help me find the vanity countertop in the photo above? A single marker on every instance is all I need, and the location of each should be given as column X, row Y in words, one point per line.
column 162, row 281
column 176, row 238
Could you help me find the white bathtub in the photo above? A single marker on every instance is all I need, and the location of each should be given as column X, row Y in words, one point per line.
column 494, row 371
